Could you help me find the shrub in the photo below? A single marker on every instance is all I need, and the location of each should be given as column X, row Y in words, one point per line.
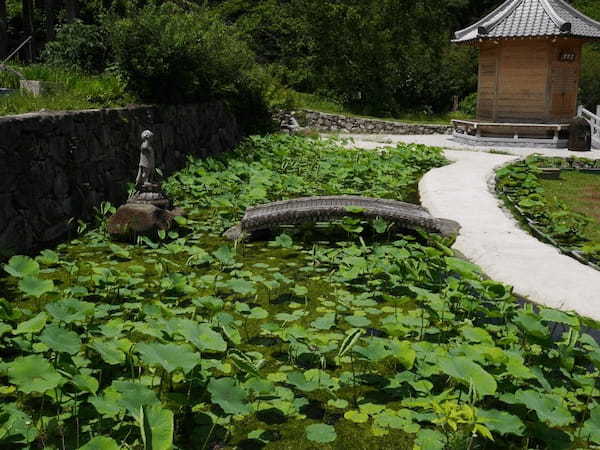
column 469, row 104
column 79, row 46
column 168, row 54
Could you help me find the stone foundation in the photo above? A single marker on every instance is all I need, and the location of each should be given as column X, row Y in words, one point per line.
column 60, row 166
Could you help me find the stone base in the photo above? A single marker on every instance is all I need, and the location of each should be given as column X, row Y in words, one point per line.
column 151, row 194
column 508, row 142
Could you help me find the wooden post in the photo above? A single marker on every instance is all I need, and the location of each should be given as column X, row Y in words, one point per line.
column 580, row 111
column 556, row 131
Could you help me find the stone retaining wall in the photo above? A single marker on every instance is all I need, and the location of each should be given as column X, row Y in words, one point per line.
column 61, row 165
column 336, row 123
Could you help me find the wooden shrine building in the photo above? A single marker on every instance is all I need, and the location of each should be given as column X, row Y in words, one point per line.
column 529, row 71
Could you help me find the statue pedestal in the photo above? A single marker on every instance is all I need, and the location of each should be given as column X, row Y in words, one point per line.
column 151, row 194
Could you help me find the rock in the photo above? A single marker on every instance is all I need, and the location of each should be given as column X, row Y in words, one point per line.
column 136, row 218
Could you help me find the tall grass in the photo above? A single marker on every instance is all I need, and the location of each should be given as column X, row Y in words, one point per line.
column 68, row 91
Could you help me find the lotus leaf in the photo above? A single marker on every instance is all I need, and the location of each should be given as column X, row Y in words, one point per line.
column 35, row 287
column 22, row 266
column 229, row 396
column 168, row 356
column 101, row 443
column 356, row 416
column 321, row 433
column 591, row 428
column 60, row 339
column 501, row 422
column 33, row 325
column 430, row 440
column 549, row 408
column 33, row 374
column 156, row 427
column 202, row 336
column 16, row 426
column 468, row 372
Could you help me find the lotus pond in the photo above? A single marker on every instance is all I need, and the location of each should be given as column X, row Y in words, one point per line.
column 327, row 336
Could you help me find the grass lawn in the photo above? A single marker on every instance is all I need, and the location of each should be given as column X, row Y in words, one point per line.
column 70, row 91
column 316, row 103
column 581, row 193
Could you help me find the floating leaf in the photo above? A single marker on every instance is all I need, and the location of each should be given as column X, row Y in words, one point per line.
column 101, row 443
column 469, row 372
column 356, row 416
column 22, row 266
column 501, row 422
column 229, row 396
column 33, row 325
column 35, row 287
column 430, row 440
column 591, row 428
column 321, row 433
column 202, row 336
column 241, row 286
column 549, row 408
column 156, row 427
column 61, row 340
column 48, row 258
column 33, row 374
column 358, row 321
column 168, row 356
column 284, row 241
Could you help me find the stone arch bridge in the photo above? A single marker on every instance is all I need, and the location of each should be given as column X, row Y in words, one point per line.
column 326, row 209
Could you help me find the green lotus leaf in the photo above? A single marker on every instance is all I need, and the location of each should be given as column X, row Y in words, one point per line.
column 133, row 396
column 501, row 422
column 226, row 393
column 463, row 268
column 298, row 380
column 284, row 241
column 338, row 403
column 554, row 315
column 531, row 324
column 591, row 428
column 86, row 383
column 109, row 351
column 241, row 286
column 430, row 440
column 549, row 408
column 356, row 416
column 474, row 334
column 358, row 321
column 321, row 433
column 156, row 427
column 48, row 258
column 404, row 353
column 202, row 336
column 325, row 322
column 101, row 443
column 33, row 374
column 16, row 426
column 35, row 287
column 22, row 266
column 168, row 356
column 33, row 325
column 60, row 339
column 71, row 310
column 468, row 372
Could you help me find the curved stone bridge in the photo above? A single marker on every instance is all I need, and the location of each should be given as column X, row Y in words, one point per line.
column 326, row 209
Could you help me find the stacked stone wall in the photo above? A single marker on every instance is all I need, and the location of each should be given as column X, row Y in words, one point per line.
column 59, row 166
column 324, row 122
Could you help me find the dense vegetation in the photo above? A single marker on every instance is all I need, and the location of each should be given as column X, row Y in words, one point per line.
column 378, row 57
column 563, row 212
column 347, row 335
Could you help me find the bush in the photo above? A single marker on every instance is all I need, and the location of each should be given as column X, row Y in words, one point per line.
column 171, row 55
column 589, row 94
column 468, row 105
column 79, row 46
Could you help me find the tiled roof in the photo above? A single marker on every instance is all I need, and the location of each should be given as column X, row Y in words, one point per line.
column 531, row 18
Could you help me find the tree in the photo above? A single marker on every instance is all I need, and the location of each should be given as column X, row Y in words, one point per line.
column 28, row 28
column 72, row 10
column 3, row 30
column 50, row 11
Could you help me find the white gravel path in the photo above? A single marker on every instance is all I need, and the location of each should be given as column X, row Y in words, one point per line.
column 491, row 237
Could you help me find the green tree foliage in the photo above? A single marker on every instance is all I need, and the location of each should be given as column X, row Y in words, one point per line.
column 171, row 54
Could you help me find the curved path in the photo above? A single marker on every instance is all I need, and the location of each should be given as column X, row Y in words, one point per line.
column 491, row 237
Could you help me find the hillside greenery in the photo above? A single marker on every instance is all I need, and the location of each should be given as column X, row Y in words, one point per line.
column 371, row 57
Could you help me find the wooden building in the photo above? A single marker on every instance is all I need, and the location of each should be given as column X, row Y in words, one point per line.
column 529, row 66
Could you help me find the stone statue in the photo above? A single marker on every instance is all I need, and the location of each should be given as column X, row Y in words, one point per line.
column 147, row 160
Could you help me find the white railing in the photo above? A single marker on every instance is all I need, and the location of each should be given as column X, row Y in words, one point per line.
column 594, row 120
